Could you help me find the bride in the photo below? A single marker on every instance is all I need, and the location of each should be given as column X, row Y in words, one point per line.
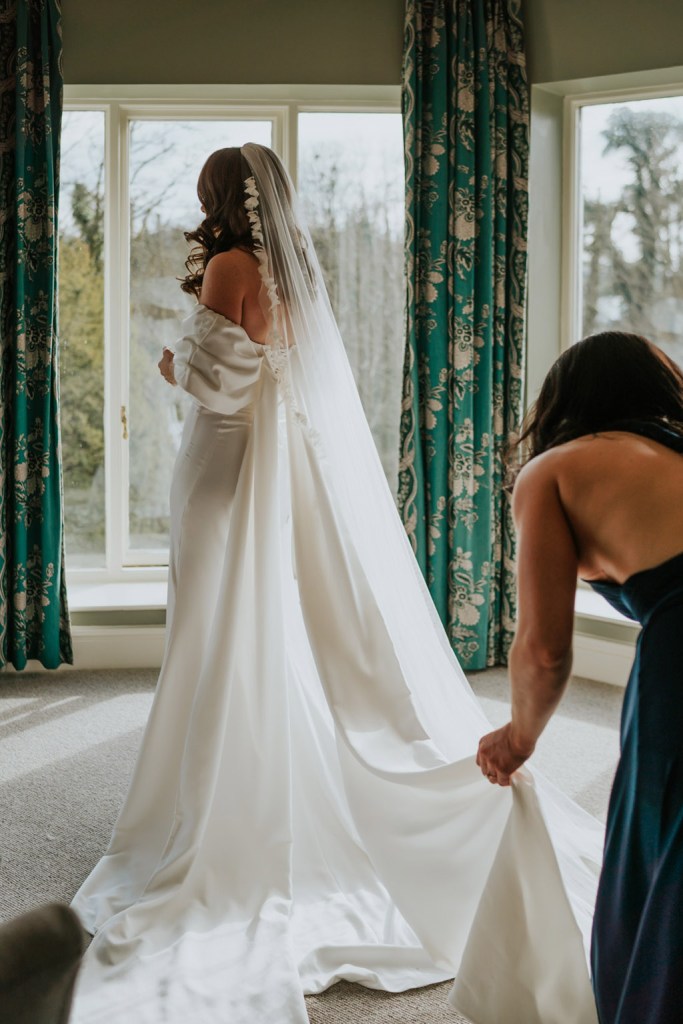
column 306, row 805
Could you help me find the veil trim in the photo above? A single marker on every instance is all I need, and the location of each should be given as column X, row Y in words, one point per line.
column 251, row 205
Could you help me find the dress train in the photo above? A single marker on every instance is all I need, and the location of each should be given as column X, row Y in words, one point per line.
column 304, row 808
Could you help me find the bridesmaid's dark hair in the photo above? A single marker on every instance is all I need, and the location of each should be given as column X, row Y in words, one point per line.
column 602, row 383
column 220, row 190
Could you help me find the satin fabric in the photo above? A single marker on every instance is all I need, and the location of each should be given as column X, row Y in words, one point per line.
column 304, row 808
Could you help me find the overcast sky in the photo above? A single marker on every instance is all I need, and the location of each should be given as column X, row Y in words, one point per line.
column 604, row 175
column 369, row 149
column 166, row 156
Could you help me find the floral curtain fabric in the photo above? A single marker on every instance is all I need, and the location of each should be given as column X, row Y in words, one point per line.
column 34, row 620
column 466, row 120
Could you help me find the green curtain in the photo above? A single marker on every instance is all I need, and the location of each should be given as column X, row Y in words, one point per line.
column 34, row 620
column 466, row 121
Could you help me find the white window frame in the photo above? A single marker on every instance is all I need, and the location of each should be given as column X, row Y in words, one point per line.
column 554, row 204
column 572, row 284
column 279, row 104
column 555, row 228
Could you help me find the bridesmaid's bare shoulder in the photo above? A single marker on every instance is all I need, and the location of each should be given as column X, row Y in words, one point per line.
column 545, row 473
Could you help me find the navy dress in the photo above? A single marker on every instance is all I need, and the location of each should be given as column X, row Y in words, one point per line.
column 637, row 953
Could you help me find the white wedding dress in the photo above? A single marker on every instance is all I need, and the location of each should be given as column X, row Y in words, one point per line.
column 306, row 806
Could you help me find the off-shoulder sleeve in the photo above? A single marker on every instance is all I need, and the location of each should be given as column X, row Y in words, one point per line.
column 216, row 362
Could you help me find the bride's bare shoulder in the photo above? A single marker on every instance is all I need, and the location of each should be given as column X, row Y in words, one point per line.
column 230, row 277
column 233, row 263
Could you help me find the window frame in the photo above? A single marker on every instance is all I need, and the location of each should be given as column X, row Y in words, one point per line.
column 555, row 212
column 572, row 205
column 279, row 104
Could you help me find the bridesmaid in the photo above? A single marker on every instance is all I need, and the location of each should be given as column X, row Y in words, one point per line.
column 601, row 496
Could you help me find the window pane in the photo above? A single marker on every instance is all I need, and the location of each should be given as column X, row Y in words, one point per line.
column 351, row 182
column 81, row 335
column 165, row 160
column 632, row 233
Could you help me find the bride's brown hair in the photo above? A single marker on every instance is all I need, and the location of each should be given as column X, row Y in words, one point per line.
column 220, row 190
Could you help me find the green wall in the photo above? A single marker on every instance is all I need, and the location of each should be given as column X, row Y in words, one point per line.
column 225, row 41
column 569, row 39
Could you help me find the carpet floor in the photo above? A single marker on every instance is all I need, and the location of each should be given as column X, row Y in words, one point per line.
column 67, row 744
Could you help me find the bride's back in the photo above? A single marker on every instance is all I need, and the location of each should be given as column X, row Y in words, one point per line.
column 232, row 286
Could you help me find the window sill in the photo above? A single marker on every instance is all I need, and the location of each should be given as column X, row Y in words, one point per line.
column 139, row 602
column 594, row 606
column 144, row 602
column 595, row 617
column 131, row 596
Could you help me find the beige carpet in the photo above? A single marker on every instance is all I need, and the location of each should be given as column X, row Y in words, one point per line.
column 351, row 1004
column 67, row 743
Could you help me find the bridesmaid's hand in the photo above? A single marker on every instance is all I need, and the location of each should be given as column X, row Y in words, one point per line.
column 501, row 753
column 165, row 365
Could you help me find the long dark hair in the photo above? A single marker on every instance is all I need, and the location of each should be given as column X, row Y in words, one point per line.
column 220, row 190
column 602, row 383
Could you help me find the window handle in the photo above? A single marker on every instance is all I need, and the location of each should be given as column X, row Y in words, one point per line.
column 124, row 422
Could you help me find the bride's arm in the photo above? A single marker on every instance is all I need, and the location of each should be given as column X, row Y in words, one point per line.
column 223, row 289
column 541, row 655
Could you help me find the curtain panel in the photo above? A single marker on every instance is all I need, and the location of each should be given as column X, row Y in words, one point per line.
column 34, row 621
column 466, row 123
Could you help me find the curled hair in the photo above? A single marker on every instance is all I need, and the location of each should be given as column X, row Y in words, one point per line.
column 608, row 381
column 220, row 190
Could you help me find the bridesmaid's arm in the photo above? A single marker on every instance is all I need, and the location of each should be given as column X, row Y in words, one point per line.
column 541, row 655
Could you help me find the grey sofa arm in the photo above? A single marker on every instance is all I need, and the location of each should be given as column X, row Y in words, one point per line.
column 40, row 953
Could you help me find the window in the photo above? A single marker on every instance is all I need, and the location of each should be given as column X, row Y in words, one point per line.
column 128, row 194
column 585, row 238
column 351, row 182
column 165, row 158
column 81, row 332
column 631, row 219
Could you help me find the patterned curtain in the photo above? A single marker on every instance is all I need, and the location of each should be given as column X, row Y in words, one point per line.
column 34, row 620
column 466, row 119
